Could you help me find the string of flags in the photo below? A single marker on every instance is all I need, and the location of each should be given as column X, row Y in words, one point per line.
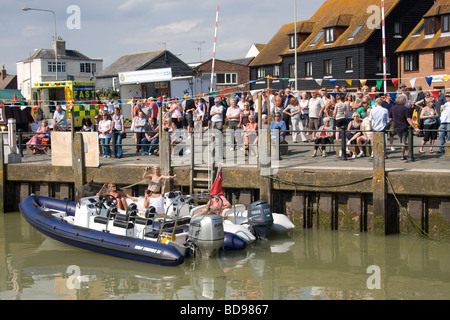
column 223, row 92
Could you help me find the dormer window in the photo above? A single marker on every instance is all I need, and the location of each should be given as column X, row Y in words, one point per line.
column 329, row 35
column 430, row 26
column 292, row 41
column 445, row 23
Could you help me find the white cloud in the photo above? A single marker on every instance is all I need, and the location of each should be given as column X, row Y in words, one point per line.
column 177, row 27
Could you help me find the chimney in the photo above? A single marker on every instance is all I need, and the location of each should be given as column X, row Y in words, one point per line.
column 3, row 73
column 60, row 47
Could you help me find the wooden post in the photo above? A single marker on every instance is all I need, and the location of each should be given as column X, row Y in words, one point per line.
column 2, row 176
column 264, row 159
column 165, row 157
column 379, row 176
column 79, row 168
column 192, row 160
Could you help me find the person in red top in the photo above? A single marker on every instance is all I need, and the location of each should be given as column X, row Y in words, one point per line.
column 251, row 134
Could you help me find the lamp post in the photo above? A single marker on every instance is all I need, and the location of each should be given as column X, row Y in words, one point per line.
column 56, row 39
column 295, row 44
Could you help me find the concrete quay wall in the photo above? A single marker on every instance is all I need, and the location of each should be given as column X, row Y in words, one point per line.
column 322, row 198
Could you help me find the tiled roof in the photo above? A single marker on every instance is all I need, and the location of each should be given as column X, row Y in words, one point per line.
column 129, row 62
column 278, row 45
column 417, row 40
column 50, row 54
column 346, row 15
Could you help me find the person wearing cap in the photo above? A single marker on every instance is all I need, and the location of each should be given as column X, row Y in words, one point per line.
column 402, row 90
column 444, row 129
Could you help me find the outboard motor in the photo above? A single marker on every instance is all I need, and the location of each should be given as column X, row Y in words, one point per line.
column 206, row 233
column 260, row 219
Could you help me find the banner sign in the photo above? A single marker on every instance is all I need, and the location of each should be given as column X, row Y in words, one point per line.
column 144, row 76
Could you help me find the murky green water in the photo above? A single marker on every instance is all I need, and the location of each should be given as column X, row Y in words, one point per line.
column 306, row 265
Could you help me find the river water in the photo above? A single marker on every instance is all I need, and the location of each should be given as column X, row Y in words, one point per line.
column 305, row 265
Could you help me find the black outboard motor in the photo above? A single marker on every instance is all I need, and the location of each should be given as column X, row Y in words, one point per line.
column 260, row 219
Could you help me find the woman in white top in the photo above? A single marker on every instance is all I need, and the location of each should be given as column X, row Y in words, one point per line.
column 104, row 130
column 340, row 114
column 304, row 105
column 294, row 110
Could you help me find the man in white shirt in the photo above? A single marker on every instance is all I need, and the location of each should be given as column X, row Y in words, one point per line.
column 316, row 106
column 216, row 115
column 444, row 129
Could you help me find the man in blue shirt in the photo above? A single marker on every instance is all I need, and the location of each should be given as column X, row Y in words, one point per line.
column 278, row 123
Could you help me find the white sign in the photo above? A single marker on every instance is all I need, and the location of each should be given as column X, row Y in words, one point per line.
column 144, row 76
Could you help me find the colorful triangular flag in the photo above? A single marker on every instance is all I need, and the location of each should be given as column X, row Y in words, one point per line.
column 429, row 80
column 395, row 82
column 363, row 82
column 413, row 82
column 349, row 82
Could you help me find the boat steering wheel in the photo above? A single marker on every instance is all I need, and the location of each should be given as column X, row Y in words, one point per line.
column 110, row 200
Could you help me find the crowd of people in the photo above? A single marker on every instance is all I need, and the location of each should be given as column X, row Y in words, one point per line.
column 316, row 117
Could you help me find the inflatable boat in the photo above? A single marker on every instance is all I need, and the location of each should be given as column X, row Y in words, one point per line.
column 252, row 223
column 95, row 223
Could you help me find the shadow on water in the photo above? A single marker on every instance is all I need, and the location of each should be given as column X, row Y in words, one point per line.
column 307, row 264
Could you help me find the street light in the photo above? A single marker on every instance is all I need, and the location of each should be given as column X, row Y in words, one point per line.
column 54, row 19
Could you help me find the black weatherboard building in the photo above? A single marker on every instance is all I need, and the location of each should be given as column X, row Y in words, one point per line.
column 342, row 41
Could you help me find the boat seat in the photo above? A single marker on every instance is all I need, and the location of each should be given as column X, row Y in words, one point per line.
column 155, row 233
column 143, row 221
column 101, row 220
column 123, row 224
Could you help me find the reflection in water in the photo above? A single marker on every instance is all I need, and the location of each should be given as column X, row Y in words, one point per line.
column 307, row 264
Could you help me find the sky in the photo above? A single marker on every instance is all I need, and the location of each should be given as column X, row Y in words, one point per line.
column 108, row 29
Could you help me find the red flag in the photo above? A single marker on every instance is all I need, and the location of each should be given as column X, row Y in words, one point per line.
column 436, row 93
column 217, row 185
column 394, row 82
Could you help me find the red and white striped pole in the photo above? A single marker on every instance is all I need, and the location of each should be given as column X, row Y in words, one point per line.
column 214, row 51
column 383, row 31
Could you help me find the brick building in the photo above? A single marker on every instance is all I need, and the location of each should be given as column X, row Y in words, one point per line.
column 424, row 56
column 230, row 75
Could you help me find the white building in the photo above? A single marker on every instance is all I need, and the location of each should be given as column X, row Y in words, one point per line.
column 40, row 66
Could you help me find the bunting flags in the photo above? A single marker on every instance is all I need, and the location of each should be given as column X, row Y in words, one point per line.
column 429, row 80
column 395, row 82
column 349, row 82
column 413, row 82
column 363, row 82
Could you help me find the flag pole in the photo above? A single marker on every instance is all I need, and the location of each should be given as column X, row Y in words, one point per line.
column 383, row 31
column 214, row 51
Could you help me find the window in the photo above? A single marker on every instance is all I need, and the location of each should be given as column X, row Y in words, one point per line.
column 380, row 67
column 439, row 59
column 329, row 35
column 397, row 29
column 355, row 31
column 308, row 69
column 227, row 78
column 348, row 64
column 261, row 73
column 419, row 29
column 87, row 67
column 292, row 41
column 412, row 62
column 52, row 66
column 445, row 23
column 327, row 67
column 319, row 35
column 276, row 71
column 292, row 71
column 430, row 26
